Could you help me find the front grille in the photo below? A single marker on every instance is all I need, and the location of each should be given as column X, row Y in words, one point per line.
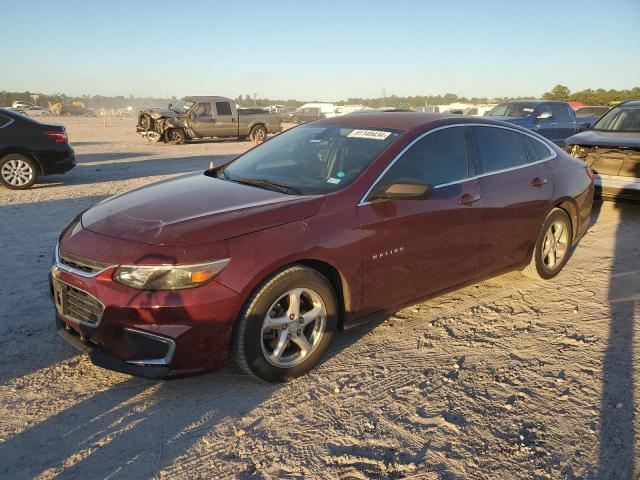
column 82, row 264
column 76, row 304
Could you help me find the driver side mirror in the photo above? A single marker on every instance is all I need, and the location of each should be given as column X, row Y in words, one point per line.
column 544, row 116
column 170, row 105
column 403, row 190
column 583, row 127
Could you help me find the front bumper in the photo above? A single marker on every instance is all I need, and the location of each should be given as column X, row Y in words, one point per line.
column 147, row 334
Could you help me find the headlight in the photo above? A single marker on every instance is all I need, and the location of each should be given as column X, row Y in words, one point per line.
column 168, row 277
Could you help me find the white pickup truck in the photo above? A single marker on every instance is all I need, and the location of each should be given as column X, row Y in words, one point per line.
column 202, row 117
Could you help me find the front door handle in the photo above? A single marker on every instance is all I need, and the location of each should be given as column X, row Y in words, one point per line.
column 538, row 182
column 468, row 199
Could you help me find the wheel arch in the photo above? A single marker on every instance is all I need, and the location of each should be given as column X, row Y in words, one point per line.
column 570, row 209
column 25, row 152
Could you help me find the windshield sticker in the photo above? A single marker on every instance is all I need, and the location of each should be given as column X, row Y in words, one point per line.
column 333, row 180
column 370, row 134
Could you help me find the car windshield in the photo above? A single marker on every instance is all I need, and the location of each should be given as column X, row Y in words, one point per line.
column 311, row 159
column 182, row 105
column 512, row 109
column 624, row 119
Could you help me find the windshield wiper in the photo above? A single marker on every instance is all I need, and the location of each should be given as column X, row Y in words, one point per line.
column 261, row 182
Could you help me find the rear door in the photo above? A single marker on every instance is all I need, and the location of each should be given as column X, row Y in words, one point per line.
column 517, row 188
column 226, row 125
column 411, row 248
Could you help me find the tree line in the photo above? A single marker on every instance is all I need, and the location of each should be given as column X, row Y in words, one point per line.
column 599, row 96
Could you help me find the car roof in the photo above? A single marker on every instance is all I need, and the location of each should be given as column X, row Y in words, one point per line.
column 206, row 98
column 405, row 120
column 630, row 103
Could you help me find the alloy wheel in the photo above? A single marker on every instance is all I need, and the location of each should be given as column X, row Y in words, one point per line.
column 17, row 173
column 293, row 327
column 555, row 245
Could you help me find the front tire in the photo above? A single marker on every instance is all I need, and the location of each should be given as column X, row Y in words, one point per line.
column 286, row 326
column 552, row 247
column 18, row 172
column 175, row 135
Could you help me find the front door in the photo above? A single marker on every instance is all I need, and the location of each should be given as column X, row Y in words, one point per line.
column 202, row 121
column 516, row 188
column 545, row 121
column 414, row 247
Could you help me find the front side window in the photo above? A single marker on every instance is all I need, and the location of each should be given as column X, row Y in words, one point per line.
column 625, row 119
column 203, row 109
column 499, row 148
column 311, row 159
column 223, row 108
column 436, row 159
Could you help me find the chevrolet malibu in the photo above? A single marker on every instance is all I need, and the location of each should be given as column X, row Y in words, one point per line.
column 319, row 228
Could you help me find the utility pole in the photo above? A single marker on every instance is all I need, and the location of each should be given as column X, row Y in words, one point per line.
column 384, row 97
column 255, row 98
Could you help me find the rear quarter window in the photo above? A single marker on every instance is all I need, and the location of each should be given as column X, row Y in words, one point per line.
column 4, row 121
column 499, row 148
column 223, row 108
column 536, row 149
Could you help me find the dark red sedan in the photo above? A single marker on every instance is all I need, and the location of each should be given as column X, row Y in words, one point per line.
column 315, row 229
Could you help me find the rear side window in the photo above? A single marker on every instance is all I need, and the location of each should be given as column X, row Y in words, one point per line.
column 536, row 149
column 223, row 108
column 499, row 148
column 436, row 159
column 560, row 113
column 4, row 121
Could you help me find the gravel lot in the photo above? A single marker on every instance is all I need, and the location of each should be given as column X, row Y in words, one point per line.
column 505, row 379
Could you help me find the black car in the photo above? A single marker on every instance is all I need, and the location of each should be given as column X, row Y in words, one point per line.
column 30, row 149
column 611, row 147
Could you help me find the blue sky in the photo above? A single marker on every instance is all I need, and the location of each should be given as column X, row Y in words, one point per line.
column 325, row 49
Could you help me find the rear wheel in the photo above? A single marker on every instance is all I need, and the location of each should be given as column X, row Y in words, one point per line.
column 551, row 250
column 175, row 135
column 18, row 172
column 287, row 325
column 258, row 134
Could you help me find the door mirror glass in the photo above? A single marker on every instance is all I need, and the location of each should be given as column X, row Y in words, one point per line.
column 583, row 127
column 544, row 116
column 403, row 190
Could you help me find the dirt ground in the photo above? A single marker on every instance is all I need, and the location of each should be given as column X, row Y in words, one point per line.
column 505, row 379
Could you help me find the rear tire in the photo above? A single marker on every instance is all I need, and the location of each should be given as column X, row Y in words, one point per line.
column 258, row 134
column 18, row 172
column 552, row 247
column 272, row 339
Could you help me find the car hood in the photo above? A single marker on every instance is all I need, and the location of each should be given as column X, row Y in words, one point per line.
column 156, row 113
column 194, row 209
column 606, row 139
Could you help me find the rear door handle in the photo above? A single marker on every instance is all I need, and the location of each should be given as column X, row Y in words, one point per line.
column 468, row 199
column 538, row 182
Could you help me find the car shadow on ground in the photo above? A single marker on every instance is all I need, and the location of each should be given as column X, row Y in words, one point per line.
column 142, row 423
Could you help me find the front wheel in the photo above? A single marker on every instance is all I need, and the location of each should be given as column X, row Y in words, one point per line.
column 18, row 172
column 175, row 135
column 287, row 325
column 552, row 247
